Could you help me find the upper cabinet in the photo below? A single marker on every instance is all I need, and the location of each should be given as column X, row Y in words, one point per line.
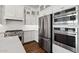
column 14, row 12
column 30, row 16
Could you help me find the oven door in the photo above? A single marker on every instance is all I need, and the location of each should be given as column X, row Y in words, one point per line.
column 65, row 41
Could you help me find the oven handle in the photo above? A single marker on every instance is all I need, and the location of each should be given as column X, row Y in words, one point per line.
column 67, row 34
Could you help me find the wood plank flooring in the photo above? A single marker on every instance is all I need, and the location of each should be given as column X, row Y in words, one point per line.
column 33, row 47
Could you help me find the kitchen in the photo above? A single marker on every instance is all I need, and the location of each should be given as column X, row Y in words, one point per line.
column 30, row 24
column 19, row 29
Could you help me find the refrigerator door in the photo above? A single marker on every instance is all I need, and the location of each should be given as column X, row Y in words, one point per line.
column 47, row 26
column 41, row 26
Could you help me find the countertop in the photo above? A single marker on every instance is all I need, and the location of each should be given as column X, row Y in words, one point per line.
column 11, row 45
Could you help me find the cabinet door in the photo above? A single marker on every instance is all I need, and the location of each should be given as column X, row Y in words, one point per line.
column 27, row 17
column 9, row 12
column 19, row 12
column 15, row 12
column 30, row 36
column 30, row 17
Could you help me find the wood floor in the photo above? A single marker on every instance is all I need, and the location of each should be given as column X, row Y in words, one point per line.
column 33, row 47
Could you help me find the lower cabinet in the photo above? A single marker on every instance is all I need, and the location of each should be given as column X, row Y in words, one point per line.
column 30, row 36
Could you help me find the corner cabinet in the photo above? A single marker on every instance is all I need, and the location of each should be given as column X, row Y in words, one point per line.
column 14, row 12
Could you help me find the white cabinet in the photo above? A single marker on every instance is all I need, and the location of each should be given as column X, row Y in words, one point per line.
column 19, row 12
column 30, row 17
column 31, row 20
column 15, row 12
column 30, row 35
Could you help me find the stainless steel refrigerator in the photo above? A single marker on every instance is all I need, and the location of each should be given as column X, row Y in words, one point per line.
column 45, row 33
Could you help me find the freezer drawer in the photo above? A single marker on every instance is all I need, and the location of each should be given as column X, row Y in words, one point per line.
column 45, row 44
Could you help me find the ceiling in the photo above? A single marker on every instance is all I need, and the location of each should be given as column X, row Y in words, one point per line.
column 34, row 6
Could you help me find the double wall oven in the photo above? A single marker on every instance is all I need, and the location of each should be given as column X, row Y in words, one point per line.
column 65, row 37
column 65, row 34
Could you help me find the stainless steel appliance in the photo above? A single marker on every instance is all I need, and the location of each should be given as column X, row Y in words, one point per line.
column 18, row 33
column 65, row 37
column 67, row 16
column 45, row 32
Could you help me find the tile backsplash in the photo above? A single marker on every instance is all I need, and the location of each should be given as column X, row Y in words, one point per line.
column 23, row 27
